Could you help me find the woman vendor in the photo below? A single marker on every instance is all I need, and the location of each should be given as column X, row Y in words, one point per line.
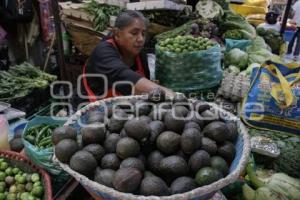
column 119, row 59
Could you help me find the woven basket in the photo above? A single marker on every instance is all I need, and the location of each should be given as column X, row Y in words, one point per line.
column 18, row 160
column 99, row 191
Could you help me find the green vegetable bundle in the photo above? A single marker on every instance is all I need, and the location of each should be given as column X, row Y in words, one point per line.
column 272, row 38
column 277, row 186
column 16, row 184
column 101, row 14
column 19, row 81
column 40, row 135
column 231, row 21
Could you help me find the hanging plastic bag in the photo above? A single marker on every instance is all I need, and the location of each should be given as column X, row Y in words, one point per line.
column 191, row 71
column 43, row 157
column 273, row 100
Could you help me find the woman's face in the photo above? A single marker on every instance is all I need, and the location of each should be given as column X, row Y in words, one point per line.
column 131, row 39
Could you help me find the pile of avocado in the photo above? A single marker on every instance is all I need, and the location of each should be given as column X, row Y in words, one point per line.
column 167, row 146
column 16, row 184
column 185, row 44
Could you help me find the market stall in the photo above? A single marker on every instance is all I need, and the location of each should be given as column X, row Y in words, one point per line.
column 230, row 132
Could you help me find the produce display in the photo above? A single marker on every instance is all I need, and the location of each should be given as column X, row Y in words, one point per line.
column 231, row 21
column 270, row 185
column 101, row 14
column 272, row 38
column 16, row 184
column 184, row 44
column 21, row 79
column 40, row 135
column 198, row 27
column 155, row 152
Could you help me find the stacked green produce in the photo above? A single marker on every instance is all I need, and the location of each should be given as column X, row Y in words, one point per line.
column 272, row 38
column 16, row 184
column 101, row 14
column 270, row 185
column 184, row 44
column 153, row 152
column 40, row 135
column 289, row 158
column 21, row 79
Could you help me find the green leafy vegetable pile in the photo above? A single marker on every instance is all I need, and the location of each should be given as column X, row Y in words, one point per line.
column 19, row 81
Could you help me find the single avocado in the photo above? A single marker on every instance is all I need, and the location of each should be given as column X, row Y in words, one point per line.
column 145, row 118
column 232, row 131
column 157, row 113
column 168, row 142
column 220, row 164
column 174, row 123
column 195, row 117
column 198, row 160
column 65, row 149
column 117, row 121
column 157, row 95
column 63, row 132
column 227, row 151
column 127, row 147
column 127, row 180
column 192, row 124
column 209, row 116
column 105, row 176
column 209, row 146
column 16, row 144
column 216, row 131
column 156, row 127
column 191, row 140
column 137, row 129
column 84, row 163
column 180, row 110
column 201, row 106
column 207, row 175
column 110, row 143
column 95, row 117
column 180, row 98
column 110, row 161
column 93, row 134
column 97, row 150
column 142, row 108
column 123, row 133
column 183, row 184
column 132, row 162
column 153, row 161
column 155, row 186
column 173, row 167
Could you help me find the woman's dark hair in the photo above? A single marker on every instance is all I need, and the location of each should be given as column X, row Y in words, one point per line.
column 271, row 18
column 125, row 18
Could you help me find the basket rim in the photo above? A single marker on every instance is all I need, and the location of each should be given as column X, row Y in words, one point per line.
column 45, row 176
column 200, row 191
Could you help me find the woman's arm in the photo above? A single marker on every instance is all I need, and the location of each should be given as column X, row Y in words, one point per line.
column 145, row 86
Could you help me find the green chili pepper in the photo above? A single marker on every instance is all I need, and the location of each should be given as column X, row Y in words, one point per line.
column 40, row 134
